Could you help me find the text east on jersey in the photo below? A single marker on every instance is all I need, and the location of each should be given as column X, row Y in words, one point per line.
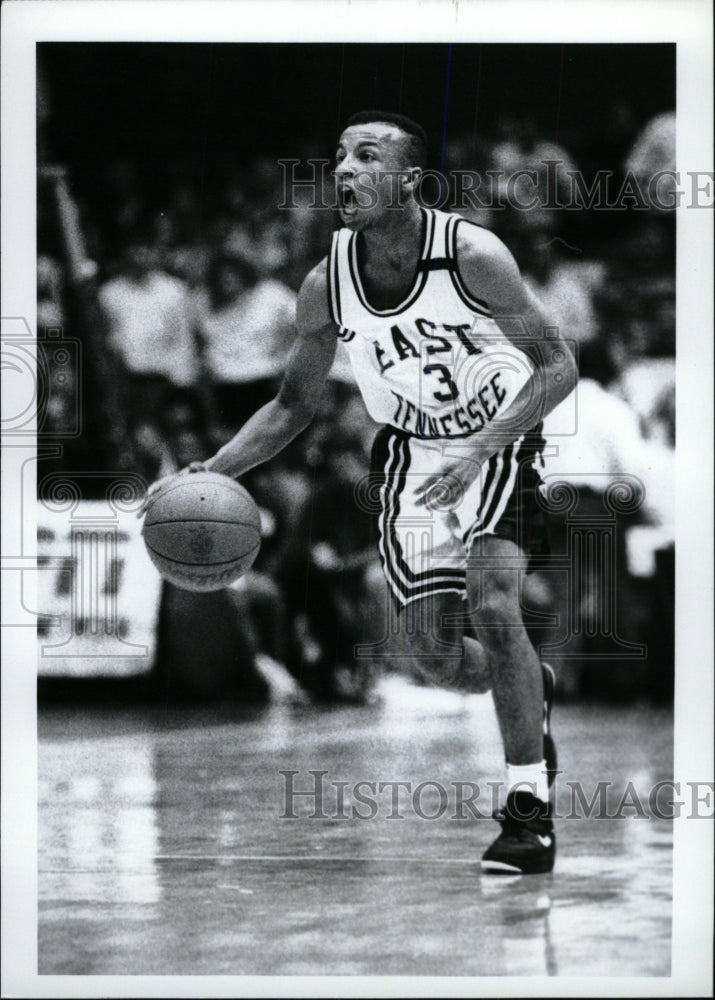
column 437, row 365
column 438, row 379
column 460, row 386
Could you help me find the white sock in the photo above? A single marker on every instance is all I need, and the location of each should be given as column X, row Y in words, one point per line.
column 528, row 778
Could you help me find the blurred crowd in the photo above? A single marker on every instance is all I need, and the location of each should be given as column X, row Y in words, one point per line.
column 195, row 298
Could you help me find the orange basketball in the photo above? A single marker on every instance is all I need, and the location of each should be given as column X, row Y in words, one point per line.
column 202, row 531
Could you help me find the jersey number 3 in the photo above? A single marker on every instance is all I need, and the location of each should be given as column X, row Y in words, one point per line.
column 445, row 378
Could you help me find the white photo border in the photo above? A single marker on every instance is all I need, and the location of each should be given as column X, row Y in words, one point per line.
column 688, row 23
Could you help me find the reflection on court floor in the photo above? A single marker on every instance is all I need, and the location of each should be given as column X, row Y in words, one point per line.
column 162, row 849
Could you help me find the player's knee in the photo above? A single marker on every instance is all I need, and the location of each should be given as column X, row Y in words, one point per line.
column 498, row 613
column 421, row 648
column 417, row 646
column 429, row 648
column 438, row 667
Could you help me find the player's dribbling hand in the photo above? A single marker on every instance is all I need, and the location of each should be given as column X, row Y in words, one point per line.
column 156, row 488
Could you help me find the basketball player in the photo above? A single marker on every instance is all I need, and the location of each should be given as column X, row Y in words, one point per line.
column 450, row 352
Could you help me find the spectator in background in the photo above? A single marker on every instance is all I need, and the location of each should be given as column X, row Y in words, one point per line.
column 284, row 487
column 177, row 233
column 653, row 152
column 599, row 435
column 539, row 236
column 57, row 409
column 636, row 302
column 596, row 436
column 123, row 202
column 561, row 279
column 637, row 299
column 532, row 179
column 648, row 386
column 179, row 437
column 465, row 158
column 325, row 572
column 250, row 221
column 150, row 331
column 246, row 328
column 50, row 312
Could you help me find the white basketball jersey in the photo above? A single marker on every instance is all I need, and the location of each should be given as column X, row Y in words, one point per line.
column 437, row 365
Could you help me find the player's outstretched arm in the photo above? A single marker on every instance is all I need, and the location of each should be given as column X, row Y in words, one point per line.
column 277, row 423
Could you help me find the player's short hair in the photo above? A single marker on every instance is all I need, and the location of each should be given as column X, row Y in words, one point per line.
column 416, row 144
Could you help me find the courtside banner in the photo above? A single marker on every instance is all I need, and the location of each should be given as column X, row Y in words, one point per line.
column 98, row 593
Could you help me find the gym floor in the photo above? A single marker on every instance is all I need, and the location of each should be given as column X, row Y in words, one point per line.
column 162, row 850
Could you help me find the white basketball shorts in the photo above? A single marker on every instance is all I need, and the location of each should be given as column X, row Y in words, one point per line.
column 424, row 550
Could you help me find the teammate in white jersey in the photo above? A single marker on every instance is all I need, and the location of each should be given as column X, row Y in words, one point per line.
column 455, row 356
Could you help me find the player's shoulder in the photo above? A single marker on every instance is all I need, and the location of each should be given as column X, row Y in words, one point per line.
column 477, row 245
column 316, row 280
column 482, row 260
column 313, row 310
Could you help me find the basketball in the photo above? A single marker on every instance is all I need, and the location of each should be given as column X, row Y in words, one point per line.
column 203, row 531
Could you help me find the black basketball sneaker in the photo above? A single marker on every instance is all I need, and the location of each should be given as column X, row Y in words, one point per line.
column 526, row 844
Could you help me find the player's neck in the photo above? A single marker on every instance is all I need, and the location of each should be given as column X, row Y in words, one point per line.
column 397, row 239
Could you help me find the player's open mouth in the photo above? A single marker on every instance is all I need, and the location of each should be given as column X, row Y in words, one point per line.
column 347, row 202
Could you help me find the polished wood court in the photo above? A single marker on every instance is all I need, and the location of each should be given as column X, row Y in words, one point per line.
column 162, row 849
